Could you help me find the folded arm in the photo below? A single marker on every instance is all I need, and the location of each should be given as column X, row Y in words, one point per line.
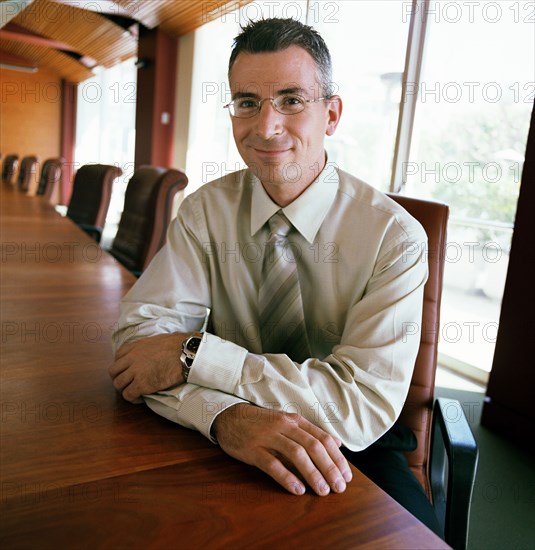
column 352, row 396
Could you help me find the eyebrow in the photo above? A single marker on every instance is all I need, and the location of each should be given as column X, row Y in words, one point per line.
column 294, row 90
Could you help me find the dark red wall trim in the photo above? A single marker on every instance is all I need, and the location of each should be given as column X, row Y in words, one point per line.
column 68, row 137
column 156, row 88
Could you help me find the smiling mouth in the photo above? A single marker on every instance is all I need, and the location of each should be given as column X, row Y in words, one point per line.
column 270, row 152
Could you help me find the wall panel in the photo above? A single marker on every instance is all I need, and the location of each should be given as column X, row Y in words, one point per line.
column 30, row 113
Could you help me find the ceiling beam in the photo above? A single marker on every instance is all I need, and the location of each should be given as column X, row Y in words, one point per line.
column 99, row 6
column 15, row 32
column 19, row 34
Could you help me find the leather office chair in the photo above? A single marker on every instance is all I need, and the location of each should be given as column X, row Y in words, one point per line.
column 50, row 179
column 27, row 172
column 147, row 212
column 440, row 426
column 11, row 163
column 91, row 194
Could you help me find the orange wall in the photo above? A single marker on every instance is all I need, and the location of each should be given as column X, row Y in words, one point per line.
column 30, row 113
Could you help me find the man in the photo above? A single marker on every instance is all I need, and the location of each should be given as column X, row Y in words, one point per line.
column 305, row 350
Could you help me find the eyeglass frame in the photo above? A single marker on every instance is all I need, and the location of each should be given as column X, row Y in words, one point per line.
column 272, row 100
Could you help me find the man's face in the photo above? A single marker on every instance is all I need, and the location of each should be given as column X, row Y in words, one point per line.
column 282, row 150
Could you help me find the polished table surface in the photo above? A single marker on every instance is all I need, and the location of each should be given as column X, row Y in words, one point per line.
column 81, row 468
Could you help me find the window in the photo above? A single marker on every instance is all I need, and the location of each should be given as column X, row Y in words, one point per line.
column 472, row 116
column 211, row 152
column 368, row 62
column 105, row 130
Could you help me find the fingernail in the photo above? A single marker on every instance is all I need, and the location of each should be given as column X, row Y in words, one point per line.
column 323, row 489
column 298, row 489
column 348, row 476
column 339, row 486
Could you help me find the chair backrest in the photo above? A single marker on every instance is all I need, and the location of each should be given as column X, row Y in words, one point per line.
column 11, row 163
column 148, row 205
column 91, row 194
column 417, row 413
column 27, row 172
column 50, row 179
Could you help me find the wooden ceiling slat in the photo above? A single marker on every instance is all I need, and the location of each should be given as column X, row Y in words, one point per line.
column 62, row 64
column 89, row 33
column 95, row 36
column 147, row 14
column 178, row 25
column 180, row 16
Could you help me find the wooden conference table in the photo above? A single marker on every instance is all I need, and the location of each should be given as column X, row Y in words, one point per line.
column 81, row 468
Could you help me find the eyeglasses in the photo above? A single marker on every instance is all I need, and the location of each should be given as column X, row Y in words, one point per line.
column 286, row 104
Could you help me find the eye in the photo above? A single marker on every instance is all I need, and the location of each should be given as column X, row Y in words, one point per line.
column 245, row 103
column 292, row 101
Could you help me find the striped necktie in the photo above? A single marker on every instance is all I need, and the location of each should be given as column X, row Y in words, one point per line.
column 282, row 322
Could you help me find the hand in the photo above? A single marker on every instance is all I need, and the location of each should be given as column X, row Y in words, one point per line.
column 148, row 365
column 283, row 443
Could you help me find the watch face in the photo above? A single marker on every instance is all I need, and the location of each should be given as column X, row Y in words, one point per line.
column 193, row 344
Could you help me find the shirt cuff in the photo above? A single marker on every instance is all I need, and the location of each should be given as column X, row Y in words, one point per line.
column 218, row 364
column 197, row 411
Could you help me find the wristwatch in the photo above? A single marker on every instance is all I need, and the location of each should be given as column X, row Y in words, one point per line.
column 189, row 351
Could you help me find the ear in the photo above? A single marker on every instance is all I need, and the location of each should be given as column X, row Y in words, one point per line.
column 334, row 112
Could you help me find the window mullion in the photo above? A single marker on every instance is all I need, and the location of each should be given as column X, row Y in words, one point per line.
column 409, row 92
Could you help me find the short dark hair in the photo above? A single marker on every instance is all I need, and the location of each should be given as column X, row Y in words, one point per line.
column 273, row 35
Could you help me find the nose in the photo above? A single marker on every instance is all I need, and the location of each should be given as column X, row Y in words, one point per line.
column 268, row 121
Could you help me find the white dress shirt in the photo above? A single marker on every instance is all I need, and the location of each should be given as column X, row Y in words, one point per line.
column 361, row 261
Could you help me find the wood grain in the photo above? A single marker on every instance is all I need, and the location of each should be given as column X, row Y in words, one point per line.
column 209, row 503
column 81, row 468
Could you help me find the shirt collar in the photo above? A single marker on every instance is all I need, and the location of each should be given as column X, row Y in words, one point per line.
column 307, row 212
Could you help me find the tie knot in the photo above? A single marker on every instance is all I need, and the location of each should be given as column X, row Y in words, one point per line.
column 279, row 224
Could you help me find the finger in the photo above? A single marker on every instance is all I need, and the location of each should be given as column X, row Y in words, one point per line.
column 339, row 459
column 313, row 462
column 123, row 379
column 325, row 453
column 118, row 366
column 308, row 454
column 132, row 393
column 273, row 467
column 123, row 350
column 331, row 445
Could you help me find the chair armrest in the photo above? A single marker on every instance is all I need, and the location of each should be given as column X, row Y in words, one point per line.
column 92, row 231
column 452, row 437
